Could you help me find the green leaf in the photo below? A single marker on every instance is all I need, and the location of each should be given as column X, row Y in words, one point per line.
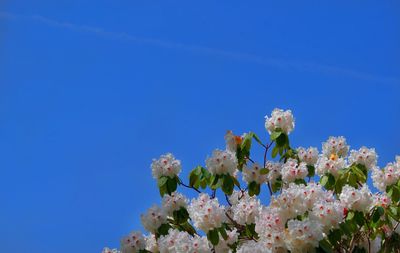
column 345, row 228
column 213, row 236
column 335, row 236
column 162, row 181
column 264, row 171
column 227, row 185
column 359, row 218
column 236, row 182
column 376, row 215
column 281, row 140
column 254, row 188
column 203, row 184
column 275, row 135
column 193, row 179
column 324, row 180
column 352, row 180
column 277, row 185
column 328, row 181
column 163, row 190
column 326, row 246
column 223, row 233
column 311, row 170
column 181, row 215
column 300, row 181
column 215, row 180
column 275, row 151
column 163, row 229
column 186, row 226
column 395, row 193
column 172, row 184
column 251, row 230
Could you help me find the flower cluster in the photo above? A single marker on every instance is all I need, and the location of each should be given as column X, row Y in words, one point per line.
column 364, row 156
column 291, row 171
column 335, row 147
column 326, row 165
column 280, row 120
column 253, row 174
column 274, row 171
column 245, row 208
column 153, row 219
column 178, row 242
column 356, row 199
column 309, row 156
column 206, row 213
column 333, row 212
column 224, row 245
column 133, row 243
column 388, row 176
column 222, row 162
column 173, row 202
column 166, row 165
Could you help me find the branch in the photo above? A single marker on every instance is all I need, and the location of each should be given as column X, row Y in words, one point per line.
column 187, row 186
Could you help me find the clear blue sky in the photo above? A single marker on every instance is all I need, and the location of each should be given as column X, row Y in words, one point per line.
column 91, row 91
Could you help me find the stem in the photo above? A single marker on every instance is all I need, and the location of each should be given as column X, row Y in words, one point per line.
column 248, row 158
column 265, row 163
column 213, row 194
column 395, row 227
column 227, row 200
column 187, row 186
column 269, row 188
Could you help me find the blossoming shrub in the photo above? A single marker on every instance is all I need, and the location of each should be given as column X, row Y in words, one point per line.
column 320, row 202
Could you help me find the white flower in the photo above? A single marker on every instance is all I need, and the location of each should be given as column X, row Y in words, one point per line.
column 328, row 214
column 252, row 174
column 231, row 141
column 309, row 156
column 386, row 177
column 356, row 199
column 378, row 179
column 291, row 170
column 253, row 247
column 108, row 250
column 206, row 213
column 297, row 199
column 222, row 162
column 173, row 202
column 325, row 165
column 223, row 245
column 381, row 199
column 166, row 165
column 364, row 156
column 179, row 242
column 335, row 146
column 153, row 219
column 303, row 236
column 270, row 226
column 133, row 242
column 274, row 171
column 246, row 209
column 280, row 119
column 151, row 243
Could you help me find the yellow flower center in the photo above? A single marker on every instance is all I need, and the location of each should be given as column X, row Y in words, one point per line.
column 334, row 157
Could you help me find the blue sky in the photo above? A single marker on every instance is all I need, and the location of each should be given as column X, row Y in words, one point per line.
column 91, row 91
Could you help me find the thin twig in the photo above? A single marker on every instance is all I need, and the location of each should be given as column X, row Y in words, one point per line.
column 227, row 200
column 248, row 158
column 187, row 186
column 213, row 194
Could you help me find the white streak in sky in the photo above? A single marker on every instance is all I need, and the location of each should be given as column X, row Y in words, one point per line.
column 274, row 62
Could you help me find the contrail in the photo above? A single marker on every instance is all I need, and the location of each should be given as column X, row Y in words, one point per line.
column 274, row 62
